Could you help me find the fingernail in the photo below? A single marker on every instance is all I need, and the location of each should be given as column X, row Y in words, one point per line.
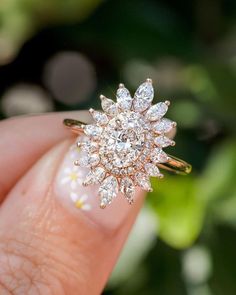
column 80, row 199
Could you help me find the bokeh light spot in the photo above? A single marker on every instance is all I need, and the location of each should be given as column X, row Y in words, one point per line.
column 25, row 99
column 70, row 77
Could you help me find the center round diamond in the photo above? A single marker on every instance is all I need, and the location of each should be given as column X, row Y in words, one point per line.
column 123, row 139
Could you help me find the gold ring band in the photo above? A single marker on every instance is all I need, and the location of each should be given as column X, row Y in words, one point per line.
column 74, row 125
column 174, row 164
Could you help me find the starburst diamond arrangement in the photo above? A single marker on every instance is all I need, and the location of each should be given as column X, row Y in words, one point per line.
column 124, row 145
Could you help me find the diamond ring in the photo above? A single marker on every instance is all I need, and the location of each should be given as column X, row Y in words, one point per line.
column 124, row 146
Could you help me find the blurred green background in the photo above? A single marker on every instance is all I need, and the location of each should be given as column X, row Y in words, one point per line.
column 59, row 55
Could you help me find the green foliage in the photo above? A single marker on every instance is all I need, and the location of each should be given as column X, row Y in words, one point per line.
column 218, row 180
column 213, row 84
column 179, row 210
column 19, row 19
column 217, row 184
column 181, row 202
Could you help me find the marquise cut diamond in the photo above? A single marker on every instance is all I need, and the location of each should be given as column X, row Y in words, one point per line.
column 152, row 170
column 109, row 106
column 108, row 190
column 127, row 188
column 93, row 130
column 143, row 97
column 95, row 176
column 143, row 181
column 158, row 156
column 124, row 99
column 163, row 126
column 157, row 111
column 163, row 141
column 99, row 117
column 89, row 160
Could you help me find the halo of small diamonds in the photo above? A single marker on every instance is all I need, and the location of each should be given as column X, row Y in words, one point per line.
column 124, row 145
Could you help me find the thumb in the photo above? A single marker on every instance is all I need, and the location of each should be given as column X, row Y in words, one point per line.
column 54, row 237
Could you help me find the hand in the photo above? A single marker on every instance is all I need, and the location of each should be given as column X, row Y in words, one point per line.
column 54, row 238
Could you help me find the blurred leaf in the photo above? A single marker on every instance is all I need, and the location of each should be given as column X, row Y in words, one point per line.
column 223, row 80
column 217, row 184
column 55, row 11
column 225, row 210
column 218, row 179
column 186, row 112
column 19, row 19
column 179, row 210
column 197, row 81
column 214, row 85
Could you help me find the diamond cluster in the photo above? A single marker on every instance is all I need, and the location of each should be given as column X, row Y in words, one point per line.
column 124, row 145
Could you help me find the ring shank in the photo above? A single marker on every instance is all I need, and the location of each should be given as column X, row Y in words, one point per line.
column 174, row 164
column 74, row 125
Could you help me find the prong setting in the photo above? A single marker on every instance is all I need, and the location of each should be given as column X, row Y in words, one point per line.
column 167, row 102
column 174, row 124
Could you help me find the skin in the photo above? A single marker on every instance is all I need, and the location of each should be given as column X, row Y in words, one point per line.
column 44, row 249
